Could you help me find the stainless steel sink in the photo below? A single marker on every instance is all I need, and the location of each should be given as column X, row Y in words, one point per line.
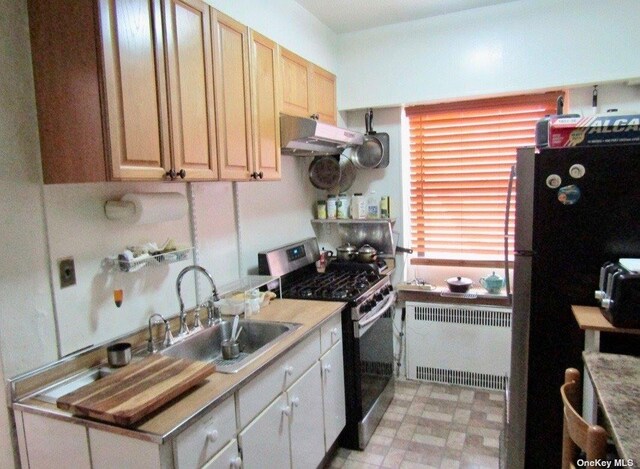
column 206, row 345
column 60, row 388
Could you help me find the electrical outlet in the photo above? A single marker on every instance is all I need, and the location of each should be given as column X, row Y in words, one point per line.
column 67, row 270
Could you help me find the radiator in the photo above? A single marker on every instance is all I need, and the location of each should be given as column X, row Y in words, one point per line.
column 458, row 344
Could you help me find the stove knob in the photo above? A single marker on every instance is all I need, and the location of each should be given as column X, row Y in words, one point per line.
column 365, row 308
column 378, row 297
column 386, row 290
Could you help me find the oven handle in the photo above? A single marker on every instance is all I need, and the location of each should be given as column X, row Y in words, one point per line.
column 390, row 301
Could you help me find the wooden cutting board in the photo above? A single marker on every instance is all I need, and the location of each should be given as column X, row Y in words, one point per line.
column 136, row 390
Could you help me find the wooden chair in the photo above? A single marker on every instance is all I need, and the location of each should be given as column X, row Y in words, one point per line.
column 577, row 434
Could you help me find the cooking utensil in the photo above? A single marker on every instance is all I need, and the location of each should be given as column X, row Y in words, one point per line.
column 324, row 172
column 234, row 327
column 235, row 338
column 347, row 173
column 383, row 137
column 119, row 354
column 230, row 349
column 369, row 154
column 459, row 284
column 346, row 252
column 367, row 253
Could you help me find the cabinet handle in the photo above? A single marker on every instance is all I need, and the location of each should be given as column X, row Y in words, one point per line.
column 288, row 370
column 235, row 463
column 171, row 174
column 256, row 175
column 295, row 402
column 182, row 173
column 315, row 116
column 286, row 410
column 212, row 436
column 327, row 367
column 334, row 332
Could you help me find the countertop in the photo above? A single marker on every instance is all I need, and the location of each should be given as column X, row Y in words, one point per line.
column 177, row 415
column 616, row 379
column 591, row 318
column 441, row 294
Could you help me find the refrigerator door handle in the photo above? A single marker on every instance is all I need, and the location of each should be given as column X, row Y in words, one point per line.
column 507, row 211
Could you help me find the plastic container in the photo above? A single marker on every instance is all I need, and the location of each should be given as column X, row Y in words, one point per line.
column 373, row 205
column 321, row 209
column 358, row 207
column 332, row 207
column 384, row 207
column 343, row 204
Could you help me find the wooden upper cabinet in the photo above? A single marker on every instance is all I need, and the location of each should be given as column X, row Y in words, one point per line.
column 323, row 95
column 307, row 90
column 265, row 99
column 233, row 103
column 101, row 89
column 137, row 129
column 191, row 90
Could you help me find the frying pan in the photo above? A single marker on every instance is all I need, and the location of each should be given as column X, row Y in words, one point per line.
column 369, row 154
column 383, row 137
column 325, row 172
column 347, row 173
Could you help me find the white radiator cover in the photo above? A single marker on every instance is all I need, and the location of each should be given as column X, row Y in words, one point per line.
column 459, row 344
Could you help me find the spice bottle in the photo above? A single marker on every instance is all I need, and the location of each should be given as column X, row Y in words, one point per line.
column 321, row 209
column 343, row 206
column 384, row 207
column 373, row 205
column 332, row 207
column 358, row 206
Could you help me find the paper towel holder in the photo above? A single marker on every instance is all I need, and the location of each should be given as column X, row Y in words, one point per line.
column 119, row 209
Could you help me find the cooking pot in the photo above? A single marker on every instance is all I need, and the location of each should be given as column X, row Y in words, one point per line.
column 492, row 283
column 459, row 284
column 367, row 253
column 346, row 252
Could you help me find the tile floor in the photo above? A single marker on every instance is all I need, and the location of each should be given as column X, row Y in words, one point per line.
column 430, row 425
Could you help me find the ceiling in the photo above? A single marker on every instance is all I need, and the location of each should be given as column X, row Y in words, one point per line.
column 353, row 15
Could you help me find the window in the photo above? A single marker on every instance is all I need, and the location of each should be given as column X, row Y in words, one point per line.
column 461, row 159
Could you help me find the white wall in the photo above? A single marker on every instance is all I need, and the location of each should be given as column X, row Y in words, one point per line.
column 507, row 48
column 40, row 224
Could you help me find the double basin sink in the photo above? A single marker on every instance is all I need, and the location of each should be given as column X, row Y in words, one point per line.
column 255, row 338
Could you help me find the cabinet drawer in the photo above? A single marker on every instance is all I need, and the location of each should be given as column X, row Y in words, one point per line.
column 257, row 395
column 330, row 333
column 227, row 458
column 194, row 446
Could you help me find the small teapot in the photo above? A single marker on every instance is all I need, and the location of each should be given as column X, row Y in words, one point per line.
column 492, row 283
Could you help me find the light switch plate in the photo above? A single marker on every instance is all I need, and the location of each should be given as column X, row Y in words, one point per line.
column 67, row 270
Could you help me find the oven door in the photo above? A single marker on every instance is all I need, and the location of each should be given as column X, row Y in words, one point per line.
column 374, row 338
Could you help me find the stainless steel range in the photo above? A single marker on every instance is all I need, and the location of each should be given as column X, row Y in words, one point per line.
column 367, row 326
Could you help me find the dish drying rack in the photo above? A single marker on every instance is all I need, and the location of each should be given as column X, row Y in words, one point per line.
column 169, row 257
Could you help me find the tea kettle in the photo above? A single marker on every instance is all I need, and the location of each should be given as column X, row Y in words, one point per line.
column 492, row 283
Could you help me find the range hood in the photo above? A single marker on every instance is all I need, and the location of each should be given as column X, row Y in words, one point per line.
column 300, row 136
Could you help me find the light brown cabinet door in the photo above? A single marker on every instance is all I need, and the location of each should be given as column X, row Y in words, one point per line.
column 134, row 84
column 233, row 103
column 323, row 95
column 295, row 84
column 190, row 80
column 265, row 99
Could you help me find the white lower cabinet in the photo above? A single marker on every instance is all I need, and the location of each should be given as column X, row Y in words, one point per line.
column 286, row 417
column 306, row 420
column 265, row 441
column 227, row 458
column 335, row 418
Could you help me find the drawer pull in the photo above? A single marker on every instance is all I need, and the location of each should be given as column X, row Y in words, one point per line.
column 295, row 402
column 334, row 332
column 286, row 410
column 235, row 463
column 212, row 436
column 288, row 370
column 327, row 367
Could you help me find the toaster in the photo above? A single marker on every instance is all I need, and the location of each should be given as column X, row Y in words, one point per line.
column 619, row 292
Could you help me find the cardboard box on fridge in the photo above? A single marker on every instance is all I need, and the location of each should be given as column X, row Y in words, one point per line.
column 604, row 129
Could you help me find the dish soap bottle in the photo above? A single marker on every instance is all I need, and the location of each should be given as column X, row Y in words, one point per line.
column 373, row 206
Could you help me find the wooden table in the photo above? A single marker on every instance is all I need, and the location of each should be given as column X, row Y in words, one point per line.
column 592, row 321
column 616, row 379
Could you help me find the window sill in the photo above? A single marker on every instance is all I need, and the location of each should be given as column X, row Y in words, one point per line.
column 459, row 263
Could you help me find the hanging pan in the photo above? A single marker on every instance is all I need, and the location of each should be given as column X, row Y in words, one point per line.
column 369, row 154
column 347, row 173
column 324, row 172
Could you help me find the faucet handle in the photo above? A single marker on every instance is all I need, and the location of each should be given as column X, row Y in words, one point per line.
column 168, row 336
column 214, row 316
column 196, row 320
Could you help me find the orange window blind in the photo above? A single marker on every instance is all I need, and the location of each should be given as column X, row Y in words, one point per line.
column 461, row 159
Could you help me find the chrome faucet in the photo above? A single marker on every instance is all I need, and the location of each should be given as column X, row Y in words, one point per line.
column 168, row 337
column 211, row 310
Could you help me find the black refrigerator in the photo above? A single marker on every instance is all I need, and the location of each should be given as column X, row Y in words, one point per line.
column 576, row 208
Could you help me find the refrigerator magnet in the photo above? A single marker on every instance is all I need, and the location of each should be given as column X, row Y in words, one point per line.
column 569, row 195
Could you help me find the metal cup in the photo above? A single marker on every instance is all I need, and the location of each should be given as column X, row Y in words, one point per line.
column 119, row 354
column 230, row 349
